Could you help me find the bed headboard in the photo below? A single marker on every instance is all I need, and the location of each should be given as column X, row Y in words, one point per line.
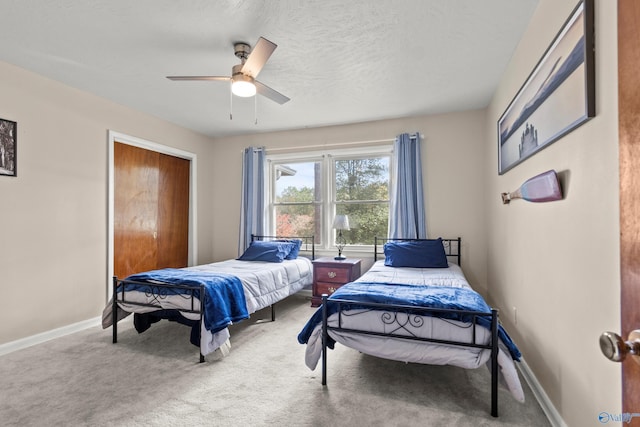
column 308, row 242
column 452, row 247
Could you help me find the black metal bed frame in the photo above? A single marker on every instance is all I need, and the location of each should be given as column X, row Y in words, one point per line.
column 159, row 291
column 411, row 316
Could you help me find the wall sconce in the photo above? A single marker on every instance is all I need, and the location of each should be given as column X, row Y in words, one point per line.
column 340, row 222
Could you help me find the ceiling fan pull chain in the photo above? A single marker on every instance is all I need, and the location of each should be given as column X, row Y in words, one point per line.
column 255, row 109
column 230, row 102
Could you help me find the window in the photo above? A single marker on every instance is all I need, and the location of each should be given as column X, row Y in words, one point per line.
column 308, row 190
column 297, row 200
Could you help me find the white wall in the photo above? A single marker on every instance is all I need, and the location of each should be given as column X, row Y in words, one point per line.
column 453, row 159
column 558, row 263
column 53, row 215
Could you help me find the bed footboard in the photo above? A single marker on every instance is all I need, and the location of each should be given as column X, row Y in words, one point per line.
column 156, row 292
column 346, row 304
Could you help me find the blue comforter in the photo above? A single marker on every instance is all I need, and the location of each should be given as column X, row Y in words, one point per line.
column 417, row 296
column 225, row 302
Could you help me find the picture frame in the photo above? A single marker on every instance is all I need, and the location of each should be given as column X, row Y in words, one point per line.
column 557, row 97
column 8, row 147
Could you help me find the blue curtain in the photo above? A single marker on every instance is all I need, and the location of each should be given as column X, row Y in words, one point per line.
column 407, row 217
column 252, row 211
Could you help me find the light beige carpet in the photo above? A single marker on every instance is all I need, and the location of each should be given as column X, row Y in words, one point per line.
column 154, row 379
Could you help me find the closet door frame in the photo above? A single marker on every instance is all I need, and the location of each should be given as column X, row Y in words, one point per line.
column 114, row 137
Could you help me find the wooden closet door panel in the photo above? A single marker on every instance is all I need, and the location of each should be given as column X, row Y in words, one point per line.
column 136, row 179
column 173, row 212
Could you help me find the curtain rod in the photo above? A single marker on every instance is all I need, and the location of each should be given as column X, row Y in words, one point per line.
column 338, row 144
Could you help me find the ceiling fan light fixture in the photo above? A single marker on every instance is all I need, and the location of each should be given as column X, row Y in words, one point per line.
column 242, row 85
column 243, row 76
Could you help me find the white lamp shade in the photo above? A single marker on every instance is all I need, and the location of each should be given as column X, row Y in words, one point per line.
column 243, row 88
column 242, row 84
column 341, row 222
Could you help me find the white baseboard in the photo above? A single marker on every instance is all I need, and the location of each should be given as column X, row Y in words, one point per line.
column 305, row 292
column 49, row 335
column 550, row 411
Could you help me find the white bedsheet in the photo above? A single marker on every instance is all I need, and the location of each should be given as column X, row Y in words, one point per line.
column 264, row 284
column 380, row 273
column 431, row 327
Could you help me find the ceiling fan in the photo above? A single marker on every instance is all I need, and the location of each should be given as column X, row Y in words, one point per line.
column 243, row 76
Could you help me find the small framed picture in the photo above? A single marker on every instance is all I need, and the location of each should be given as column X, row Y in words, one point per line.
column 8, row 137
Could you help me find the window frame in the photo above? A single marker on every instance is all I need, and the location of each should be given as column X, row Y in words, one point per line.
column 328, row 203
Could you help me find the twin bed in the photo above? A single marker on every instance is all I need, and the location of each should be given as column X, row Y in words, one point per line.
column 415, row 306
column 210, row 297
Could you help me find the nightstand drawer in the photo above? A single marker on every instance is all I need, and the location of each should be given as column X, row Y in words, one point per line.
column 332, row 274
column 329, row 274
column 326, row 288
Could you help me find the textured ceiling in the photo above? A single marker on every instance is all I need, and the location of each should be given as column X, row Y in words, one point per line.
column 339, row 61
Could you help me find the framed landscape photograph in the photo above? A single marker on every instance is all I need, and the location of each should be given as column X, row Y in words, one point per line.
column 8, row 135
column 557, row 97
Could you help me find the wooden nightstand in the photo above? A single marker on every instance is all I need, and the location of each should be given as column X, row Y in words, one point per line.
column 329, row 274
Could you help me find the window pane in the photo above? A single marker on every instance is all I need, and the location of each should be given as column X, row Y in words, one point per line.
column 304, row 200
column 366, row 221
column 298, row 220
column 362, row 179
column 297, row 182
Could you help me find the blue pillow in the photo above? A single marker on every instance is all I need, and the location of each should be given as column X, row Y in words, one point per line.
column 415, row 253
column 267, row 251
column 295, row 249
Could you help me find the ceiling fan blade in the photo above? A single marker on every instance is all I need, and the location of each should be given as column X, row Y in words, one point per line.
column 220, row 78
column 273, row 95
column 258, row 57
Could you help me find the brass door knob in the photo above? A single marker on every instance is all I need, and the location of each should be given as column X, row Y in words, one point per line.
column 616, row 349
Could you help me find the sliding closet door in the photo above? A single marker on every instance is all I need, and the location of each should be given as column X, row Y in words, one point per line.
column 151, row 210
column 135, row 209
column 173, row 212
